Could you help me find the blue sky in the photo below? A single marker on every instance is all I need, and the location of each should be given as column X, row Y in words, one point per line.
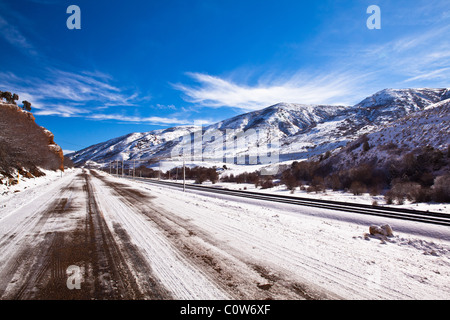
column 136, row 66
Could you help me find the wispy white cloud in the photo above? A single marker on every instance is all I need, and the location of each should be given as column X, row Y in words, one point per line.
column 432, row 75
column 15, row 37
column 416, row 58
column 213, row 91
column 61, row 110
column 57, row 92
column 136, row 119
column 66, row 93
column 88, row 95
column 76, row 87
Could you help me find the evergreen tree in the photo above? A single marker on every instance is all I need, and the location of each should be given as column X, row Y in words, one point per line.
column 366, row 146
column 7, row 96
column 26, row 105
column 14, row 98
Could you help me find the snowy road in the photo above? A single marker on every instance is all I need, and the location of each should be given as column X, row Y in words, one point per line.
column 132, row 240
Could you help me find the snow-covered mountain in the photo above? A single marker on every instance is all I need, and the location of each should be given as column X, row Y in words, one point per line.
column 301, row 130
column 371, row 114
column 396, row 103
column 286, row 118
column 155, row 144
column 426, row 129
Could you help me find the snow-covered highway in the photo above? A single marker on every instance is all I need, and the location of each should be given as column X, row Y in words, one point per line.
column 132, row 240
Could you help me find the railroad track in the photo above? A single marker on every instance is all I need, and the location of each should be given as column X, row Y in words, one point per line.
column 388, row 212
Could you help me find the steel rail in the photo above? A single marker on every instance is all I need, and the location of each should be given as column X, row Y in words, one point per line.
column 388, row 212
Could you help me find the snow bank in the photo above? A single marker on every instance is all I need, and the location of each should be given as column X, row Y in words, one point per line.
column 15, row 195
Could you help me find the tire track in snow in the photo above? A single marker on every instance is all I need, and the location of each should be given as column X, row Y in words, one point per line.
column 348, row 282
column 113, row 265
column 171, row 267
column 70, row 230
column 243, row 278
column 23, row 257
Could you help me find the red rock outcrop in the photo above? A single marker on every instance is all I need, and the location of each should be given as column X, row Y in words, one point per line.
column 25, row 144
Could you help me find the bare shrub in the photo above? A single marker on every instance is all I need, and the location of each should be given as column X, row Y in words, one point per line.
column 267, row 183
column 334, row 182
column 401, row 191
column 245, row 177
column 304, row 170
column 388, row 197
column 200, row 178
column 317, row 185
column 422, row 194
column 366, row 146
column 441, row 189
column 289, row 180
column 358, row 188
column 388, row 146
column 357, row 143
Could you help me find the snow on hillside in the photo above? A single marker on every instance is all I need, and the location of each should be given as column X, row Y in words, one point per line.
column 427, row 127
column 404, row 100
column 289, row 118
column 133, row 146
column 275, row 122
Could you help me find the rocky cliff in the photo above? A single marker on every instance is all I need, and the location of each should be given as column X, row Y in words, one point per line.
column 25, row 146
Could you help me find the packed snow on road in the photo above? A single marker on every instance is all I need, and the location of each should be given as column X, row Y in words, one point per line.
column 128, row 239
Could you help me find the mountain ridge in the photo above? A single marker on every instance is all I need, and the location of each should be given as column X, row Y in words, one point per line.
column 302, row 130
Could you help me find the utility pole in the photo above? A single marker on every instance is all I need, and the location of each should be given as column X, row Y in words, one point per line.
column 134, row 167
column 184, row 176
column 122, row 168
